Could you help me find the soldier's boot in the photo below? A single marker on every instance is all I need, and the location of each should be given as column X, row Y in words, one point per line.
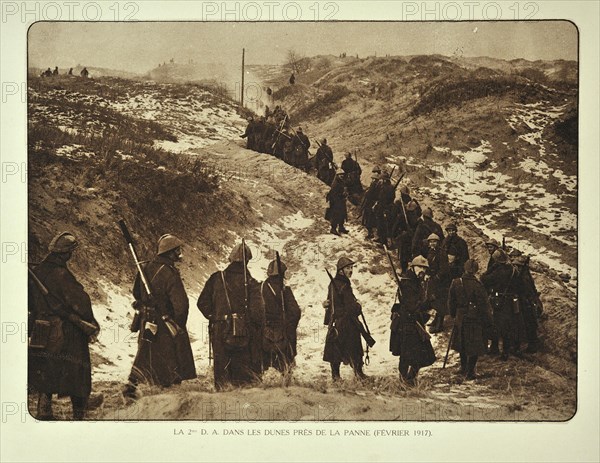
column 130, row 391
column 335, row 371
column 494, row 349
column 463, row 364
column 471, row 362
column 359, row 373
column 369, row 234
column 44, row 407
column 342, row 229
column 334, row 231
column 79, row 405
column 438, row 324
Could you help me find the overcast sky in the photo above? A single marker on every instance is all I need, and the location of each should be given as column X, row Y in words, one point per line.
column 140, row 46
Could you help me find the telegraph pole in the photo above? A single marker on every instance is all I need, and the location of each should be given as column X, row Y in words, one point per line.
column 242, row 94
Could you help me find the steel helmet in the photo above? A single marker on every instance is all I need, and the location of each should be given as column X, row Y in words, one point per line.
column 272, row 269
column 376, row 170
column 344, row 262
column 433, row 237
column 427, row 212
column 167, row 243
column 63, row 242
column 412, row 205
column 238, row 256
column 500, row 256
column 471, row 266
column 419, row 261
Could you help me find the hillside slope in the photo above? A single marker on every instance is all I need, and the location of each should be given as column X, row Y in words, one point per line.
column 84, row 179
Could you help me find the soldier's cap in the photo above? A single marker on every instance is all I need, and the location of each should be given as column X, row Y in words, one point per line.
column 427, row 212
column 500, row 256
column 404, row 189
column 167, row 243
column 272, row 270
column 63, row 242
column 471, row 266
column 411, row 206
column 433, row 237
column 451, row 226
column 249, row 118
column 344, row 262
column 237, row 255
column 419, row 261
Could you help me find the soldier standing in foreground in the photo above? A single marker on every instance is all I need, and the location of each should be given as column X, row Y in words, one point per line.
column 164, row 355
column 502, row 283
column 232, row 304
column 282, row 315
column 343, row 342
column 62, row 325
column 408, row 338
column 469, row 306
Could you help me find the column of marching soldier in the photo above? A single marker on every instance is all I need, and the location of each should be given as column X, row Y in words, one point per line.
column 252, row 325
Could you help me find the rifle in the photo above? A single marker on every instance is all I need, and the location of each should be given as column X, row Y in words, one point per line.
column 420, row 329
column 57, row 306
column 150, row 324
column 366, row 335
column 245, row 277
column 279, row 132
column 504, row 243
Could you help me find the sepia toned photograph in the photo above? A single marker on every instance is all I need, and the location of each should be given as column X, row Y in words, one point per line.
column 335, row 221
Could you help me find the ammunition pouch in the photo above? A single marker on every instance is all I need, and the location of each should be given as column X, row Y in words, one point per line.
column 236, row 331
column 47, row 334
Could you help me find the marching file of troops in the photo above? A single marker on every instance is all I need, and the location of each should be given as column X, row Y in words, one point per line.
column 253, row 325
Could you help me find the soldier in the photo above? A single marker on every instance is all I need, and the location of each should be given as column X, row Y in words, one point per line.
column 84, row 73
column 408, row 338
column 439, row 282
column 502, row 283
column 370, row 198
column 383, row 208
column 491, row 247
column 425, row 227
column 164, row 354
column 456, row 249
column 292, row 79
column 301, row 145
column 324, row 161
column 47, row 73
column 353, row 171
column 231, row 301
column 343, row 342
column 468, row 304
column 337, row 212
column 250, row 134
column 282, row 315
column 70, row 71
column 59, row 361
column 405, row 215
column 55, row 72
column 529, row 299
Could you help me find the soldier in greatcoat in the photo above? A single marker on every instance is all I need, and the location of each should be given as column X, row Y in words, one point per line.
column 456, row 249
column 282, row 315
column 439, row 281
column 405, row 216
column 408, row 338
column 343, row 341
column 425, row 227
column 369, row 219
column 469, row 307
column 502, row 283
column 383, row 208
column 324, row 162
column 337, row 212
column 164, row 356
column 62, row 364
column 232, row 303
